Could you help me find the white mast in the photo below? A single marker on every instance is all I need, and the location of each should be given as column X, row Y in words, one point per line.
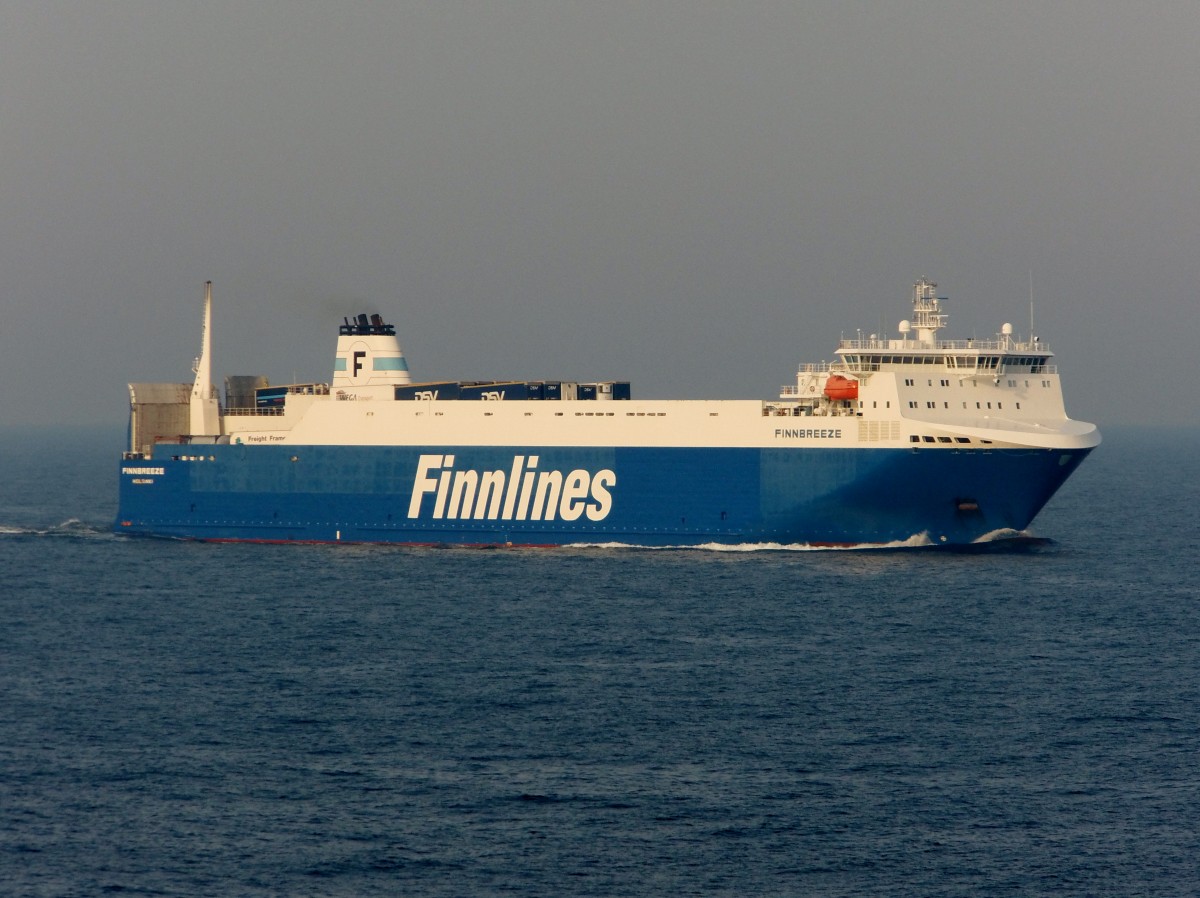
column 928, row 317
column 1032, row 333
column 204, row 413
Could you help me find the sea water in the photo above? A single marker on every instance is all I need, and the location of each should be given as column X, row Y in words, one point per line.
column 187, row 719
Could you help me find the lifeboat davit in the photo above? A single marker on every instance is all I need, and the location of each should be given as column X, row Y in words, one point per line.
column 838, row 387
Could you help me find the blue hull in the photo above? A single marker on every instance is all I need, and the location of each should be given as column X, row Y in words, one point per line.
column 637, row 496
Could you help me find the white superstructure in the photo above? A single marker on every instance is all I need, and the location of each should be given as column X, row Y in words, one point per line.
column 1004, row 390
column 911, row 389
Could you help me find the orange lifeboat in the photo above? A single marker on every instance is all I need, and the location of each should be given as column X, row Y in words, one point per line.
column 838, row 387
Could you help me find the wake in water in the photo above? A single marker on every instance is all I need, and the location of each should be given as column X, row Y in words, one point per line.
column 72, row 528
column 1005, row 540
column 996, row 541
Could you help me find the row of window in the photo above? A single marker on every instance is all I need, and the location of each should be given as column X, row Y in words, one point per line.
column 911, row 382
column 914, row 438
column 982, row 362
column 586, row 414
column 912, row 403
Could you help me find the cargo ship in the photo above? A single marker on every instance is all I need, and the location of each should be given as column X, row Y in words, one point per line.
column 904, row 440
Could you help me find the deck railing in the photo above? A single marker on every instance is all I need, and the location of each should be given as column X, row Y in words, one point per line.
column 912, row 346
column 266, row 411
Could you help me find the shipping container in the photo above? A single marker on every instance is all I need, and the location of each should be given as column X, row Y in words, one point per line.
column 496, row 390
column 269, row 397
column 621, row 389
column 560, row 389
column 442, row 389
column 605, row 390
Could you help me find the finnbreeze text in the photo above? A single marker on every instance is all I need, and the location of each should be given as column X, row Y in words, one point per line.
column 808, row 433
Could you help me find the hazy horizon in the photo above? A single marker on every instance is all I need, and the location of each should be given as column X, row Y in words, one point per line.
column 692, row 196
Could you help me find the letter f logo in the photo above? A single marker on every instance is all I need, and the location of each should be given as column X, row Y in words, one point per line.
column 359, row 355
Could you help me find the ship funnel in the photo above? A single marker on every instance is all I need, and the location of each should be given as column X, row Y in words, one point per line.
column 203, row 411
column 369, row 359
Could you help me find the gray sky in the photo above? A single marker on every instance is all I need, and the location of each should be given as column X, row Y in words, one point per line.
column 694, row 196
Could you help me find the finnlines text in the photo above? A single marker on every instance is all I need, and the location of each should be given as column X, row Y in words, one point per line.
column 522, row 493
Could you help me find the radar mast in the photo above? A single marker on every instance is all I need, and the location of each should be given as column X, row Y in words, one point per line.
column 928, row 317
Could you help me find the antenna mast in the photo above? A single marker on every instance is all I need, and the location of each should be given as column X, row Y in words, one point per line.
column 1032, row 336
column 928, row 317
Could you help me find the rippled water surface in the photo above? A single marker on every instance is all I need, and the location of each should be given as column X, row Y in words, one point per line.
column 190, row 719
